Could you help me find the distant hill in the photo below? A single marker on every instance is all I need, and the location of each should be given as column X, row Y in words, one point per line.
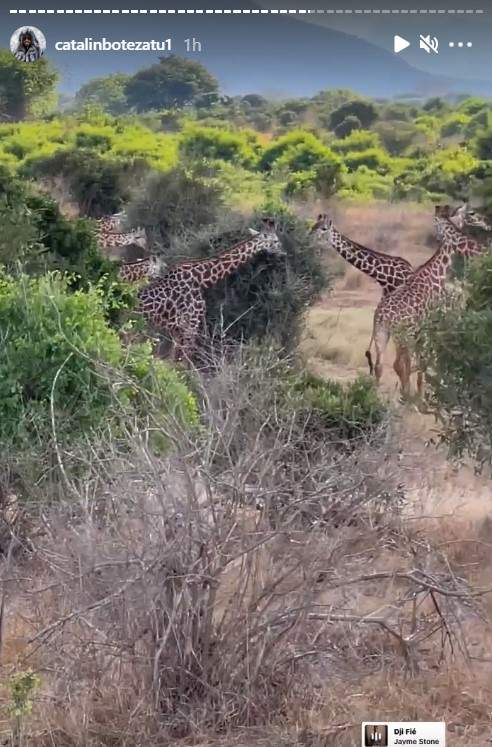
column 269, row 54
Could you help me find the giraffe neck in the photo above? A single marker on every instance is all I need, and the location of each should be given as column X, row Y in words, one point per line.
column 133, row 271
column 211, row 271
column 388, row 271
column 455, row 240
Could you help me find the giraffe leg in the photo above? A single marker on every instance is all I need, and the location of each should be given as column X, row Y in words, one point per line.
column 381, row 338
column 402, row 366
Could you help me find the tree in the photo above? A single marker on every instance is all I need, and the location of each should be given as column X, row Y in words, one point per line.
column 108, row 92
column 173, row 82
column 255, row 101
column 24, row 87
column 347, row 126
column 365, row 111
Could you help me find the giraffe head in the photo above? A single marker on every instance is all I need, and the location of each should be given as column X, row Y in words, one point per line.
column 452, row 236
column 465, row 217
column 323, row 227
column 266, row 238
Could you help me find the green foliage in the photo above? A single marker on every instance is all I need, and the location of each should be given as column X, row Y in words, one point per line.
column 435, row 105
column 365, row 111
column 349, row 411
column 483, row 145
column 318, row 408
column 397, row 136
column 175, row 203
column 365, row 184
column 347, row 126
column 455, row 124
column 63, row 368
column 174, row 81
column 93, row 140
column 473, row 105
column 109, row 92
column 374, row 158
column 355, row 142
column 22, row 86
column 456, row 345
column 212, row 143
column 100, row 186
column 311, row 161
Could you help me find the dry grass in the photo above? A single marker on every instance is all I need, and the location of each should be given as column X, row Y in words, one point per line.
column 162, row 607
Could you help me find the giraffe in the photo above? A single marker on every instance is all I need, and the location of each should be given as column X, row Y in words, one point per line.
column 465, row 218
column 110, row 236
column 388, row 271
column 175, row 302
column 409, row 304
column 149, row 267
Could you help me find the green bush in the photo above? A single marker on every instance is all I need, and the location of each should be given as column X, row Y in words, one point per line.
column 456, row 346
column 99, row 185
column 214, row 143
column 365, row 111
column 355, row 142
column 483, row 145
column 93, row 140
column 454, row 125
column 347, row 411
column 311, row 408
column 397, row 136
column 18, row 234
column 64, row 372
column 374, row 158
column 175, row 203
column 347, row 126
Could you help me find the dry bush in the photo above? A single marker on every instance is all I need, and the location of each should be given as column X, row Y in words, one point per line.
column 214, row 594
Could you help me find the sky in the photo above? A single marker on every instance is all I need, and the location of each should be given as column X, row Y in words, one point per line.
column 281, row 54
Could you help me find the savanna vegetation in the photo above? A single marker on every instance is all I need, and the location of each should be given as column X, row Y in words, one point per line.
column 214, row 549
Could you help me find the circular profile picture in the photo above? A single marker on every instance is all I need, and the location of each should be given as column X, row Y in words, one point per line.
column 27, row 44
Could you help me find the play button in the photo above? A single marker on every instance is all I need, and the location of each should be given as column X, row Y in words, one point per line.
column 399, row 43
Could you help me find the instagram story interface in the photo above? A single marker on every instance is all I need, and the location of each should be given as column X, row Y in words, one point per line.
column 245, row 372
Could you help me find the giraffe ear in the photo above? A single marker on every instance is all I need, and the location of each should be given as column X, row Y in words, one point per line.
column 253, row 232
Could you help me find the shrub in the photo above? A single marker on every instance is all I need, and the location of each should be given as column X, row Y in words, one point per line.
column 93, row 140
column 282, row 147
column 63, row 372
column 318, row 181
column 356, row 141
column 345, row 411
column 213, row 143
column 454, row 125
column 397, row 136
column 174, row 203
column 483, row 145
column 374, row 158
column 100, row 186
column 456, row 345
column 347, row 126
column 473, row 105
column 18, row 233
column 365, row 111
